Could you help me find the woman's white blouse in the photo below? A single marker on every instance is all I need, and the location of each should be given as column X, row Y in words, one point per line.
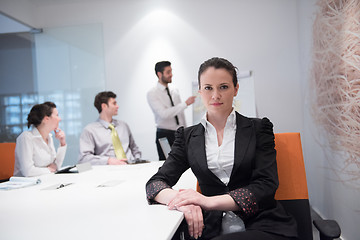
column 220, row 159
column 33, row 155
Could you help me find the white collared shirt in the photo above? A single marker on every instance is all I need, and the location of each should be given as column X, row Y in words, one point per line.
column 33, row 154
column 220, row 159
column 160, row 104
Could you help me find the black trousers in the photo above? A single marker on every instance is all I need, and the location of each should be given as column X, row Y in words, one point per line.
column 182, row 233
column 252, row 235
column 160, row 133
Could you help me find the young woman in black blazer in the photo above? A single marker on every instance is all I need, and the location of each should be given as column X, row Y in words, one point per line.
column 234, row 161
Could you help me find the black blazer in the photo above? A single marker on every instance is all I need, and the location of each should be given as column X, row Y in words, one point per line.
column 253, row 181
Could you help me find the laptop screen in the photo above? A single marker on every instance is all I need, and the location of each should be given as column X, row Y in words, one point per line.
column 165, row 146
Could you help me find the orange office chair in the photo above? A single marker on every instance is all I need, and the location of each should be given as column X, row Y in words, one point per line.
column 7, row 160
column 293, row 192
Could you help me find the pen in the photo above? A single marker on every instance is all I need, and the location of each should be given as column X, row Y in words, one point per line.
column 63, row 185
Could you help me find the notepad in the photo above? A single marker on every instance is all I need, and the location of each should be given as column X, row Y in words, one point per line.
column 19, row 182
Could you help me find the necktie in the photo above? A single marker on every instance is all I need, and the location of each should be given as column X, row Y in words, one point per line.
column 172, row 104
column 119, row 151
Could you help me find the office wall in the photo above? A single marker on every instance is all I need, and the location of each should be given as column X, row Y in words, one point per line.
column 330, row 197
column 256, row 35
column 15, row 50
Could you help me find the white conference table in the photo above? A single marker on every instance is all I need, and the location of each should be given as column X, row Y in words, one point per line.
column 83, row 210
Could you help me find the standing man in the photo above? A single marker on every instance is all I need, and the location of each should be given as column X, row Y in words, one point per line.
column 166, row 106
column 107, row 141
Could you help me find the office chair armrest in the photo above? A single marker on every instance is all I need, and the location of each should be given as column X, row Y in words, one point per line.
column 328, row 229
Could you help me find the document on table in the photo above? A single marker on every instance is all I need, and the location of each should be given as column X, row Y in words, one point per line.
column 19, row 182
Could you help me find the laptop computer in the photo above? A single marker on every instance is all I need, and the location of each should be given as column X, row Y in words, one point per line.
column 165, row 146
column 78, row 168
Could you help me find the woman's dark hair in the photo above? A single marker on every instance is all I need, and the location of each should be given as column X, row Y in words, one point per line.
column 103, row 97
column 38, row 112
column 219, row 63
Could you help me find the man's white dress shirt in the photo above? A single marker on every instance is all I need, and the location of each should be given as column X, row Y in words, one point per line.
column 164, row 112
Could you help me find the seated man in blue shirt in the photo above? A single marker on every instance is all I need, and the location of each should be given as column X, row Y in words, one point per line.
column 97, row 139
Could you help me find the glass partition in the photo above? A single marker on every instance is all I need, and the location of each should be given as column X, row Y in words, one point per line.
column 68, row 67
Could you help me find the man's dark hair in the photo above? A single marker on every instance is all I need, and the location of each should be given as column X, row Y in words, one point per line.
column 103, row 97
column 159, row 66
column 219, row 63
column 38, row 112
